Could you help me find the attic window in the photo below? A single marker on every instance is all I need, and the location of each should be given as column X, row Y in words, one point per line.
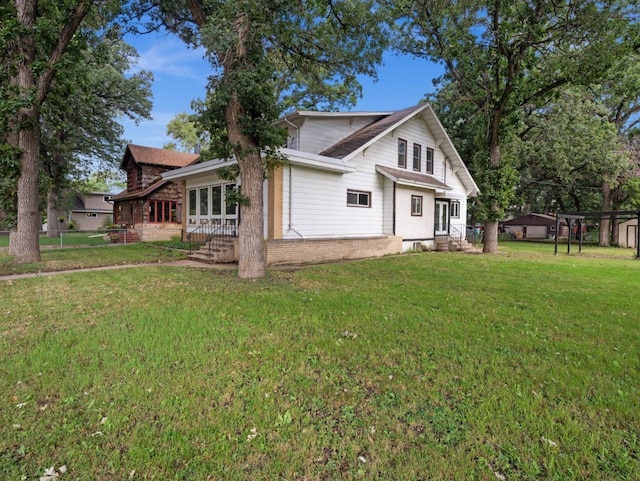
column 402, row 153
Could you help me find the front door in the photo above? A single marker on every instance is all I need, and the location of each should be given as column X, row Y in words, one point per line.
column 442, row 217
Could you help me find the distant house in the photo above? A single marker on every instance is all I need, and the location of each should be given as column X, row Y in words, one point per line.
column 354, row 185
column 628, row 233
column 151, row 206
column 91, row 211
column 534, row 226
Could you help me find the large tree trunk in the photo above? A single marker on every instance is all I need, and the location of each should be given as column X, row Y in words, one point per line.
column 26, row 245
column 25, row 241
column 251, row 230
column 53, row 214
column 605, row 220
column 490, row 242
column 252, row 259
column 615, row 232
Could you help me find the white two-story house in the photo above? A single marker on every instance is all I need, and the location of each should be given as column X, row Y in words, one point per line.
column 355, row 184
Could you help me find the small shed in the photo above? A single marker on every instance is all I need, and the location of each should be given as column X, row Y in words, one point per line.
column 628, row 233
column 534, row 226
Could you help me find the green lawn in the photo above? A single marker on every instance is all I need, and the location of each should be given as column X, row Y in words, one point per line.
column 93, row 238
column 517, row 366
column 82, row 258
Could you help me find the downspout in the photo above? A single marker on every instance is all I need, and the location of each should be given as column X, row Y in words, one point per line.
column 291, row 180
column 291, row 203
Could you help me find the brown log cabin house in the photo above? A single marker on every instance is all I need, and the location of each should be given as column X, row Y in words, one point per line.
column 151, row 208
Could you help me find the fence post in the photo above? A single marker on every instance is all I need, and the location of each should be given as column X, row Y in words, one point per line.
column 60, row 239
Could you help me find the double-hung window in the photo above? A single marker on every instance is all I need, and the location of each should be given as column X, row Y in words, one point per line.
column 358, row 198
column 416, row 205
column 417, row 157
column 429, row 168
column 402, row 153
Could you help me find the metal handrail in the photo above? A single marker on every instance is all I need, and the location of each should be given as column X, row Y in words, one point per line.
column 457, row 232
column 213, row 235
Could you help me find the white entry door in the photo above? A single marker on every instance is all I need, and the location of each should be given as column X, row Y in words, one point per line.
column 442, row 217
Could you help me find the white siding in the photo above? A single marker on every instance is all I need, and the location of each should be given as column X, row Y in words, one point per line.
column 319, row 198
column 414, row 227
column 320, row 133
column 319, row 204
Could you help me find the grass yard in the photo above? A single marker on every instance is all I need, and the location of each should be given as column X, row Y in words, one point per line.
column 82, row 258
column 69, row 238
column 434, row 366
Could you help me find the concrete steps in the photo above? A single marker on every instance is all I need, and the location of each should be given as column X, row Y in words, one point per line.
column 222, row 253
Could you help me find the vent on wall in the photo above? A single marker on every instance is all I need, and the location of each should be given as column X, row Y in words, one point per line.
column 417, row 246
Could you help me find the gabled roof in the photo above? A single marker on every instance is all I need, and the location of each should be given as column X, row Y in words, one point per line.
column 352, row 144
column 153, row 156
column 357, row 142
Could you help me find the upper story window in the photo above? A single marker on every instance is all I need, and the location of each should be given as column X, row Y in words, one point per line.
column 358, row 198
column 402, row 153
column 429, row 168
column 417, row 157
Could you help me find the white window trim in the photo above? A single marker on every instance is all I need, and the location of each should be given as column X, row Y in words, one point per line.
column 359, row 193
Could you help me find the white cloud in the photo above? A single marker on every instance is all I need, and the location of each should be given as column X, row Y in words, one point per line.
column 169, row 56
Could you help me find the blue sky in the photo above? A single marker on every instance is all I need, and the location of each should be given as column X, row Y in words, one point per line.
column 181, row 76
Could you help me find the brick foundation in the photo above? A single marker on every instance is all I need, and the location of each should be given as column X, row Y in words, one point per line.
column 309, row 251
column 158, row 232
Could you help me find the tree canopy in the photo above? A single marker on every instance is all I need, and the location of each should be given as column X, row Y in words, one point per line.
column 503, row 57
column 267, row 57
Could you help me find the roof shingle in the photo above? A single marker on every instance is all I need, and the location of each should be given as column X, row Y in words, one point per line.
column 358, row 139
column 153, row 156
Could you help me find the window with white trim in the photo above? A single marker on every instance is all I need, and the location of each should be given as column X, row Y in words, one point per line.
column 417, row 157
column 416, row 205
column 429, row 168
column 455, row 209
column 402, row 153
column 358, row 198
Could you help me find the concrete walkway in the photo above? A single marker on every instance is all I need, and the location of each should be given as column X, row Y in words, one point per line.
column 181, row 263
